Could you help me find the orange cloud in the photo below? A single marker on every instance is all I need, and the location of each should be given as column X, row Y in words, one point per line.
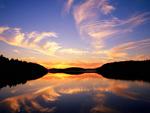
column 121, row 51
column 31, row 40
column 133, row 45
column 3, row 29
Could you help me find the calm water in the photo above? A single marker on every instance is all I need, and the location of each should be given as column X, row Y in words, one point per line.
column 85, row 93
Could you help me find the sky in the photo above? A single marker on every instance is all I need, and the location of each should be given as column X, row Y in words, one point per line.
column 85, row 33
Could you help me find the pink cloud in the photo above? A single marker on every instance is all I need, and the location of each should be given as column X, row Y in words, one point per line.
column 90, row 9
column 100, row 31
column 68, row 5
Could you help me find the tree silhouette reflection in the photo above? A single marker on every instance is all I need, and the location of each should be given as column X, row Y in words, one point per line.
column 13, row 71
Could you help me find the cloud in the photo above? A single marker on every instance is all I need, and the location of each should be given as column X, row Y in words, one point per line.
column 3, row 29
column 73, row 51
column 13, row 36
column 16, row 51
column 89, row 9
column 124, row 49
column 121, row 51
column 84, row 11
column 140, row 57
column 51, row 47
column 140, row 44
column 106, row 8
column 37, row 37
column 102, row 30
column 68, row 5
column 39, row 41
column 95, row 20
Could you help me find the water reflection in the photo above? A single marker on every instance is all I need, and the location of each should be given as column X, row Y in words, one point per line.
column 85, row 93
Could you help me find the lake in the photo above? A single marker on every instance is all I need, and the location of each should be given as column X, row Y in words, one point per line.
column 85, row 93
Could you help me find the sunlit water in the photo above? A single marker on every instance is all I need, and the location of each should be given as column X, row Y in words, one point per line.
column 85, row 93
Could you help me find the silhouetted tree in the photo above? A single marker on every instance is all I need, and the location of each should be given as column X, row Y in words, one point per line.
column 14, row 71
column 126, row 70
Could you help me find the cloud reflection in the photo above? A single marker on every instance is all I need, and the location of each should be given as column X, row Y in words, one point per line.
column 49, row 94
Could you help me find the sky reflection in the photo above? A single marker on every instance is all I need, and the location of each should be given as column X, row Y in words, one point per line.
column 87, row 93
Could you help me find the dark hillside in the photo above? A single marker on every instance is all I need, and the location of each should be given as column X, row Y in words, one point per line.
column 13, row 71
column 126, row 70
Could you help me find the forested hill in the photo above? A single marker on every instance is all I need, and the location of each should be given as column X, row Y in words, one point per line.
column 126, row 70
column 13, row 71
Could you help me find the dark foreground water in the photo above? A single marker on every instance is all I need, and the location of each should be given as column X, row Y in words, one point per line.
column 85, row 93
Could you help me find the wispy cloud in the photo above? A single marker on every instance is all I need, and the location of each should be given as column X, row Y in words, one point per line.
column 73, row 51
column 101, row 30
column 39, row 41
column 37, row 37
column 84, row 11
column 133, row 45
column 106, row 8
column 90, row 9
column 2, row 29
column 52, row 47
column 13, row 36
column 91, row 22
column 137, row 46
column 121, row 51
column 68, row 6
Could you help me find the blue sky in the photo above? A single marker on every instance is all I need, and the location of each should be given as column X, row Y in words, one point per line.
column 75, row 31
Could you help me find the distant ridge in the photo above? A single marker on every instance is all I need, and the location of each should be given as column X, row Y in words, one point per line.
column 72, row 70
column 123, row 70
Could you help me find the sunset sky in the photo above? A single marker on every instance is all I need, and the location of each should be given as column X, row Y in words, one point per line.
column 86, row 33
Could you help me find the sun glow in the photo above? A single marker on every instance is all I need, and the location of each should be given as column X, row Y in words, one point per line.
column 61, row 66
